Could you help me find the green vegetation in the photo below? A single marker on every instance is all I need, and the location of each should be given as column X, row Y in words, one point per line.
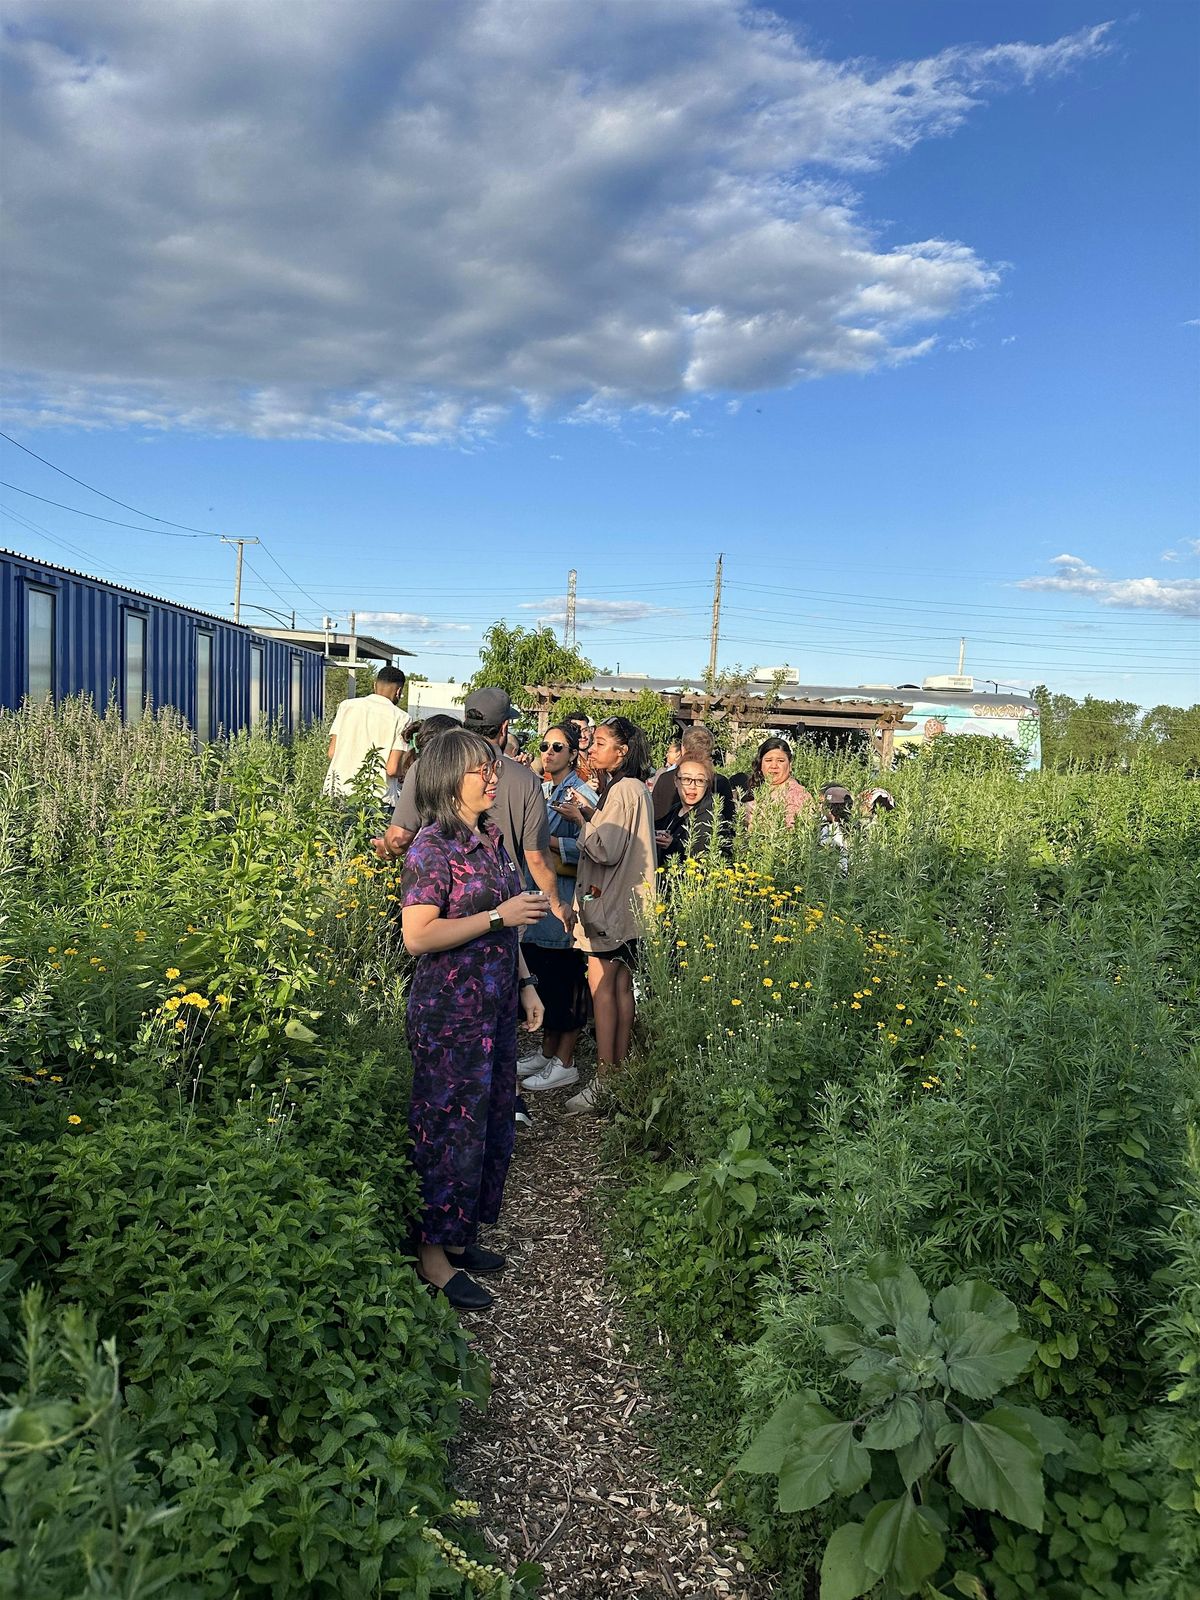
column 1099, row 734
column 907, row 1187
column 220, row 1374
column 518, row 659
column 969, row 1061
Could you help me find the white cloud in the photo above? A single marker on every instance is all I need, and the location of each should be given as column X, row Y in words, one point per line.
column 1176, row 596
column 350, row 220
column 412, row 621
column 593, row 613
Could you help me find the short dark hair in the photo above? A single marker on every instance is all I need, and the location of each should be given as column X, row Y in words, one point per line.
column 765, row 749
column 391, row 675
column 637, row 762
column 445, row 762
column 423, row 732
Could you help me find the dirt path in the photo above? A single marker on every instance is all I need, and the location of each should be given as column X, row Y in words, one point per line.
column 558, row 1464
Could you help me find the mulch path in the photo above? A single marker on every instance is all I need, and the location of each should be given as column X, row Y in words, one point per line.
column 559, row 1463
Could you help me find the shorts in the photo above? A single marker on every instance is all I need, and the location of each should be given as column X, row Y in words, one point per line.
column 630, row 952
column 562, row 984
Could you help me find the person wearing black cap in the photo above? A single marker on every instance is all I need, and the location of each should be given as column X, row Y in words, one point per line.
column 837, row 804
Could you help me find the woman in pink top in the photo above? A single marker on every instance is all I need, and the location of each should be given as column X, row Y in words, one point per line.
column 772, row 785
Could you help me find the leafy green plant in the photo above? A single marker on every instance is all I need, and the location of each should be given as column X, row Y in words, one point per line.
column 725, row 1200
column 921, row 1371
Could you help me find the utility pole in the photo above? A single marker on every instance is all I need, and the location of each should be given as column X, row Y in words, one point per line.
column 716, row 624
column 237, row 582
column 569, row 624
column 352, row 657
column 962, row 655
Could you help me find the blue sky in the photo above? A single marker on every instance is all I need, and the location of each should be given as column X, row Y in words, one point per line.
column 894, row 304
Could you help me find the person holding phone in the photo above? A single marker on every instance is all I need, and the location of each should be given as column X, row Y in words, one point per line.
column 553, row 959
column 614, row 889
column 463, row 907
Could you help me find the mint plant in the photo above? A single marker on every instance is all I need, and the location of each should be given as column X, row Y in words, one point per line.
column 921, row 1371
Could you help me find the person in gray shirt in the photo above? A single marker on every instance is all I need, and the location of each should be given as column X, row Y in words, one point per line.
column 519, row 810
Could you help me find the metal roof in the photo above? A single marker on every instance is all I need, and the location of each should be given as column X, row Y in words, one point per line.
column 883, row 694
column 338, row 644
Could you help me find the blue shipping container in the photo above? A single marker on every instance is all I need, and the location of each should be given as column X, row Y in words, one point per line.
column 62, row 633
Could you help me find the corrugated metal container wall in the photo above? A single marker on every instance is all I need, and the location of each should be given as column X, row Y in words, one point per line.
column 62, row 631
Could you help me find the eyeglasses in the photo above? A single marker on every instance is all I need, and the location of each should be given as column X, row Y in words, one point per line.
column 490, row 770
column 692, row 783
column 555, row 746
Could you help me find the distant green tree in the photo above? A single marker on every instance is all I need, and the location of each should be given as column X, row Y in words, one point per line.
column 1086, row 733
column 1173, row 734
column 518, row 659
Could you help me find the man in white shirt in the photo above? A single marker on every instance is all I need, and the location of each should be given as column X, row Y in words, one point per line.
column 366, row 743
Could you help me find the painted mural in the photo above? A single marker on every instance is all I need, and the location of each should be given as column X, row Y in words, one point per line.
column 1016, row 718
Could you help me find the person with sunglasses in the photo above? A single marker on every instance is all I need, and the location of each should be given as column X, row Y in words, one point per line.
column 615, row 890
column 560, row 969
column 462, row 911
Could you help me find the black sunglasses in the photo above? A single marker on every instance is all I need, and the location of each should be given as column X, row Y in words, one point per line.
column 556, row 747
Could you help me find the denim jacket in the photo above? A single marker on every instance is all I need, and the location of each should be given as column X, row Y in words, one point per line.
column 550, row 931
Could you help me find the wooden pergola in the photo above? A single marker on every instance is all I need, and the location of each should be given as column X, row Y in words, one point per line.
column 875, row 720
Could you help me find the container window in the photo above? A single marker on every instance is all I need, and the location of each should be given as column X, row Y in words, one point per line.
column 204, row 686
column 297, row 703
column 135, row 668
column 256, row 684
column 39, row 635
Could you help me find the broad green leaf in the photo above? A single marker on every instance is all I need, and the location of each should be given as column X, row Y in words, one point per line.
column 997, row 1466
column 981, row 1356
column 841, row 1338
column 1053, row 1436
column 823, row 1461
column 899, row 1425
column 740, row 1138
column 770, row 1444
column 972, row 1295
column 1052, row 1292
column 844, row 1573
column 889, row 1291
column 899, row 1543
column 677, row 1181
column 296, row 1030
column 968, row 1584
column 746, row 1196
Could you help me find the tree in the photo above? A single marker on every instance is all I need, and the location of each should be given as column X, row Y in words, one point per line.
column 1174, row 736
column 1087, row 732
column 518, row 659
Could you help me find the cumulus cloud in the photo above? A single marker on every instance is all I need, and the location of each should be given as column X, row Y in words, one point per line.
column 1178, row 597
column 411, row 621
column 593, row 613
column 358, row 221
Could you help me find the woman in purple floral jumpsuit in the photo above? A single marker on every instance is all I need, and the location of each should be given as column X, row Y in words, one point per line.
column 461, row 908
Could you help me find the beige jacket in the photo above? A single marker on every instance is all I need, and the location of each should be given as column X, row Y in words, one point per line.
column 617, row 861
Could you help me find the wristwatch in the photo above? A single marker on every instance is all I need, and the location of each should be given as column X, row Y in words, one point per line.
column 495, row 921
column 529, row 981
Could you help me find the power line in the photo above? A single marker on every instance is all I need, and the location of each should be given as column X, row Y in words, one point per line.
column 200, row 533
column 110, row 520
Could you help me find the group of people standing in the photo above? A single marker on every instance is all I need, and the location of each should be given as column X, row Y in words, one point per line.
column 522, row 897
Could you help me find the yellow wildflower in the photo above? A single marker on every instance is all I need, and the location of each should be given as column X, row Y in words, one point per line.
column 74, row 1120
column 735, row 1002
column 172, row 972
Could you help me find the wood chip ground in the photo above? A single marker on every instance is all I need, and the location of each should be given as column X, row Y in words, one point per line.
column 560, row 1462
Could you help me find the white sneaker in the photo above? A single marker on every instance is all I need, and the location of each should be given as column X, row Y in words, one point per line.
column 552, row 1076
column 589, row 1099
column 528, row 1065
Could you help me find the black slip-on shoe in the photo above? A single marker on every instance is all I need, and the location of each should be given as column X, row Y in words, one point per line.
column 464, row 1294
column 474, row 1258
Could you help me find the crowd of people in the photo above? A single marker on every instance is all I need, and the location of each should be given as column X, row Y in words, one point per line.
column 526, row 875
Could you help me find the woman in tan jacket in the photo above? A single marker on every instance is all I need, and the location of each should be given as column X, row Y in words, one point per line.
column 615, row 887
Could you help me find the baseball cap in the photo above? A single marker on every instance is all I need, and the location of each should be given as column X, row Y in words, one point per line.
column 490, row 706
column 835, row 795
